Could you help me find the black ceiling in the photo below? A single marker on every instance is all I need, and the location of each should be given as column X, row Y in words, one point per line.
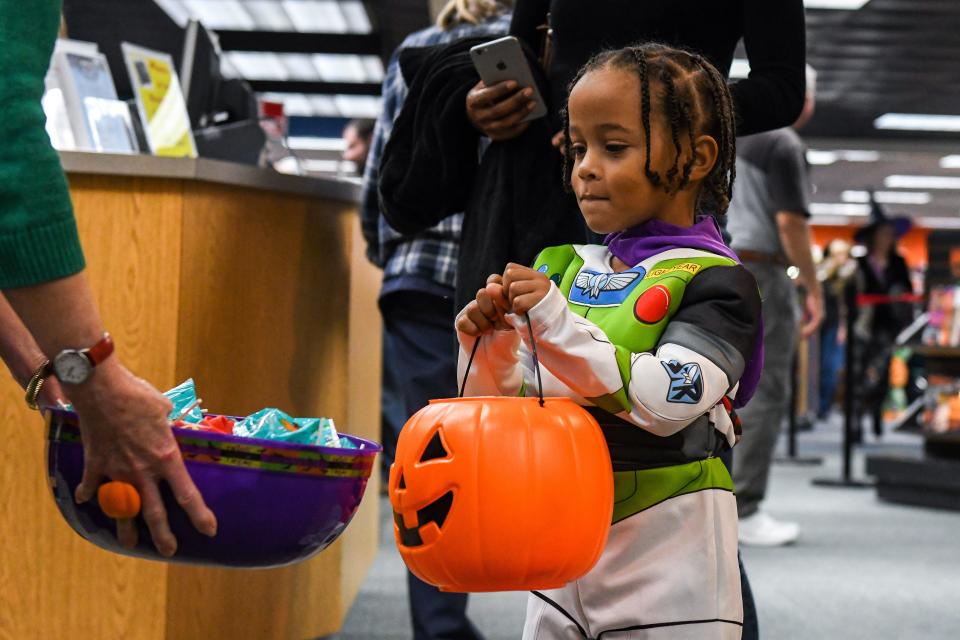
column 898, row 56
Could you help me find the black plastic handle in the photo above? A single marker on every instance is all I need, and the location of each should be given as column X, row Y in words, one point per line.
column 536, row 361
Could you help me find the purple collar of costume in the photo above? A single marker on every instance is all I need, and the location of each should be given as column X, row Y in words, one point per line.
column 636, row 244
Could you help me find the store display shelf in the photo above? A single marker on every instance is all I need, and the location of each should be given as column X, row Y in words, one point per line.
column 917, row 479
column 936, row 351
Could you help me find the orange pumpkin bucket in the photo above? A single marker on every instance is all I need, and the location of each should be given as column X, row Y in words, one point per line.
column 501, row 494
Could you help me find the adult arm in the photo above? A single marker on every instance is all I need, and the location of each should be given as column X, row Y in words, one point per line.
column 123, row 420
column 393, row 91
column 774, row 34
column 795, row 237
column 788, row 184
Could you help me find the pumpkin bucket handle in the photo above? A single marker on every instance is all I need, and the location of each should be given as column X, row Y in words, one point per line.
column 533, row 349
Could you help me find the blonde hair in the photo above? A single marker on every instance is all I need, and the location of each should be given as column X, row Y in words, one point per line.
column 457, row 12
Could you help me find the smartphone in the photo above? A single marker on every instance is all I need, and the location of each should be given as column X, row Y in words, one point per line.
column 503, row 59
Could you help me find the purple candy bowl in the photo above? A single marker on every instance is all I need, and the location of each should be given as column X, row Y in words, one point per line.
column 276, row 503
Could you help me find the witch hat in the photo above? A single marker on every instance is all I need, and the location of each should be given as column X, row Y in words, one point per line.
column 878, row 218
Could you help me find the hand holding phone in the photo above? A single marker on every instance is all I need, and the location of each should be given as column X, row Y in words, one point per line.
column 507, row 98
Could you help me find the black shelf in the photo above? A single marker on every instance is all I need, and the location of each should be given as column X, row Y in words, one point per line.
column 920, row 480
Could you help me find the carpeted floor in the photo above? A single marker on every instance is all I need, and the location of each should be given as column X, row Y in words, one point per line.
column 862, row 569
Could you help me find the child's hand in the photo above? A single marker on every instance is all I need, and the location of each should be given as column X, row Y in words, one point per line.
column 486, row 312
column 524, row 287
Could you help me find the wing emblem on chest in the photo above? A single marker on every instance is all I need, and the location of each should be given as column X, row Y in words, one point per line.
column 593, row 284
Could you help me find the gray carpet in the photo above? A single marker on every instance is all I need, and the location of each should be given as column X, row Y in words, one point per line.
column 862, row 569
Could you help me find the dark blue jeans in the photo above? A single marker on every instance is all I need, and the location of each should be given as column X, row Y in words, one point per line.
column 419, row 329
column 831, row 361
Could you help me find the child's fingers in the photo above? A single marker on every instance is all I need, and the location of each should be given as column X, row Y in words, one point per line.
column 467, row 326
column 487, row 306
column 499, row 297
column 523, row 303
column 478, row 317
column 495, row 278
column 519, row 288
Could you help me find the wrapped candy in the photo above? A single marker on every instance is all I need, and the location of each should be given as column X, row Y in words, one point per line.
column 186, row 405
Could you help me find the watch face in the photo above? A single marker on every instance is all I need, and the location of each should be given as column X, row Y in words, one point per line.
column 72, row 367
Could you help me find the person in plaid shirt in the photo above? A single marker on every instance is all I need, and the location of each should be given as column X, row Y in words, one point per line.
column 416, row 301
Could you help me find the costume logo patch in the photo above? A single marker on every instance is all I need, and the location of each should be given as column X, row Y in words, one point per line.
column 686, row 383
column 605, row 289
column 689, row 267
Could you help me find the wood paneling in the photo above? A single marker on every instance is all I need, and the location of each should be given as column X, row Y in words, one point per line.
column 363, row 417
column 265, row 321
column 52, row 583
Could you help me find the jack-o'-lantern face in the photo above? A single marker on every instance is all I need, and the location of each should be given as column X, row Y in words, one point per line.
column 421, row 525
column 493, row 494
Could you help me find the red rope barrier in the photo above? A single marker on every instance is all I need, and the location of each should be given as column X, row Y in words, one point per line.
column 872, row 299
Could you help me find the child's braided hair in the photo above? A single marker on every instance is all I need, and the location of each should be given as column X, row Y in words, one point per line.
column 695, row 100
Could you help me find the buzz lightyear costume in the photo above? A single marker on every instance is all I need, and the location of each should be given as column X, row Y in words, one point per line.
column 656, row 353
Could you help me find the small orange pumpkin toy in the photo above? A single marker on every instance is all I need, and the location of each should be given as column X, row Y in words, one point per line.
column 501, row 494
column 119, row 500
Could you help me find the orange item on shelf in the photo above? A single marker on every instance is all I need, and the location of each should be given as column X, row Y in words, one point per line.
column 501, row 494
column 119, row 500
column 953, row 412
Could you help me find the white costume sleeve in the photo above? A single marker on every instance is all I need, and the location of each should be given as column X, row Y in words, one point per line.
column 662, row 392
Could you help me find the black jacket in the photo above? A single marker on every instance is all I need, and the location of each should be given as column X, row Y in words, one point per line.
column 429, row 170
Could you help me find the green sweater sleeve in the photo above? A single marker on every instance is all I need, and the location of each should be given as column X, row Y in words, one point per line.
column 38, row 233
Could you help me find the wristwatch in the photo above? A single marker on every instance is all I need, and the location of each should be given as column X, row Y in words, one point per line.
column 75, row 366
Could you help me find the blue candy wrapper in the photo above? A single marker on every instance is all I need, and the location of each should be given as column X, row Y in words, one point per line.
column 182, row 396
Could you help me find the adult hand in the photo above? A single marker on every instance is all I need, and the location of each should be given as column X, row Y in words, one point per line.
column 813, row 312
column 524, row 287
column 126, row 436
column 51, row 394
column 486, row 312
column 497, row 111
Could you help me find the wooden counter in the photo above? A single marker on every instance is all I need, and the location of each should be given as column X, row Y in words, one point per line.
column 254, row 284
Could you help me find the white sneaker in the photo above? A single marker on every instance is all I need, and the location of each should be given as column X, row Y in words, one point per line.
column 760, row 530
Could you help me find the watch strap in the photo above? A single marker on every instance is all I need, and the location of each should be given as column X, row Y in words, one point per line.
column 101, row 350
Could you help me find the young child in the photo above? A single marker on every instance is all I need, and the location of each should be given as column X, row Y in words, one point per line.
column 655, row 332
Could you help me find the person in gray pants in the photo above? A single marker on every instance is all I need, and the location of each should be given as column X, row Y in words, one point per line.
column 768, row 222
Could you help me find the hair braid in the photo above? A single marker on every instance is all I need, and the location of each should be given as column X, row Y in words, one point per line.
column 673, row 108
column 641, row 61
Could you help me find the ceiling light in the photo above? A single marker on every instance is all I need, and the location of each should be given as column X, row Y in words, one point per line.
column 921, row 182
column 887, row 197
column 820, row 157
column 950, row 162
column 374, row 68
column 255, row 65
column 352, row 106
column 356, row 16
column 322, row 16
column 839, row 209
column 917, row 122
column 223, row 14
column 299, row 66
column 339, row 67
column 938, row 222
column 325, row 106
column 846, row 5
column 269, row 15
